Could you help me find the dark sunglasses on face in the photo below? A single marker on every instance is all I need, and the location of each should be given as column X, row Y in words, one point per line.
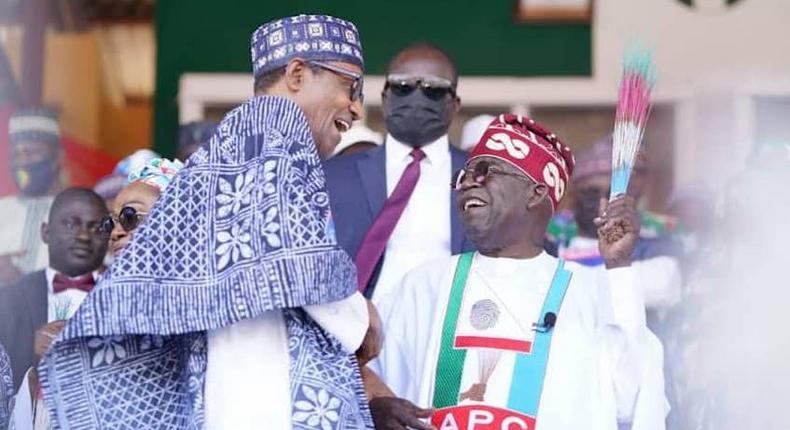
column 356, row 78
column 128, row 218
column 480, row 173
column 434, row 88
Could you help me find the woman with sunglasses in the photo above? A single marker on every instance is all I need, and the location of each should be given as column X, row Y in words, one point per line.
column 136, row 200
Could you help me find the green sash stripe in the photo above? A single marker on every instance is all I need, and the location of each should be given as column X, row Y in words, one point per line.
column 450, row 364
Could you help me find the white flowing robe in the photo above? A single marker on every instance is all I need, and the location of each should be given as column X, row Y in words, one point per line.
column 247, row 383
column 600, row 352
column 20, row 232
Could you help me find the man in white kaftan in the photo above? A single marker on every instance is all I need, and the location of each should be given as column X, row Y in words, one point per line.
column 510, row 337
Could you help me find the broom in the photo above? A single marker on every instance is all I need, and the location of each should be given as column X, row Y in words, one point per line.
column 633, row 110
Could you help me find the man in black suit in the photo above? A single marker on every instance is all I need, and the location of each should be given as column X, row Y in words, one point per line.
column 392, row 205
column 32, row 310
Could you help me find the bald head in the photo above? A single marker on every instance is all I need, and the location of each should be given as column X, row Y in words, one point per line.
column 85, row 196
column 419, row 100
column 424, row 59
column 77, row 243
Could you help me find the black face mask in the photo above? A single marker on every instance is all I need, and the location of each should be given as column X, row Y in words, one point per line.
column 415, row 119
column 35, row 178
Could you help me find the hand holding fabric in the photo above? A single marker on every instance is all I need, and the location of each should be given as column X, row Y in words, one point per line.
column 44, row 337
column 618, row 230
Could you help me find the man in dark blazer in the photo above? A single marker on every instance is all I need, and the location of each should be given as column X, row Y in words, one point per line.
column 393, row 205
column 31, row 310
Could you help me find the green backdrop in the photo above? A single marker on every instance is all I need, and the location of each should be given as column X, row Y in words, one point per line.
column 213, row 36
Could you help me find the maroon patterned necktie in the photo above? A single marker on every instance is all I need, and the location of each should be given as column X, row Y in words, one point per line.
column 62, row 283
column 375, row 241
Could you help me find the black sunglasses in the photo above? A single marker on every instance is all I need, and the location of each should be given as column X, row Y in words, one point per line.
column 481, row 172
column 434, row 88
column 129, row 218
column 357, row 79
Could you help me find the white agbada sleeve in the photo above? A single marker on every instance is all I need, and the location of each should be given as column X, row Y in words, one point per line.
column 406, row 316
column 652, row 407
column 347, row 320
column 659, row 278
column 632, row 354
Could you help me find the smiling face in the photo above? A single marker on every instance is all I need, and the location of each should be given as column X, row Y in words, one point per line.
column 325, row 98
column 76, row 243
column 137, row 195
column 503, row 207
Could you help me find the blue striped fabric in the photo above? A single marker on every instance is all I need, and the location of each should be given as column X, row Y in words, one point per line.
column 244, row 228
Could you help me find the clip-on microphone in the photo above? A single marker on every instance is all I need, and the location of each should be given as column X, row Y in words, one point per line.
column 549, row 320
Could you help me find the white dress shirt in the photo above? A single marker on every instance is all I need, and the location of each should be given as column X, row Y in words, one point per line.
column 423, row 232
column 64, row 303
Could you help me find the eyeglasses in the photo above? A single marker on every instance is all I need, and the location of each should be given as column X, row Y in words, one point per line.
column 357, row 79
column 434, row 88
column 74, row 225
column 129, row 218
column 481, row 172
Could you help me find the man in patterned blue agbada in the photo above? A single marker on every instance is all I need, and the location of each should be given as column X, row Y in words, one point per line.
column 233, row 306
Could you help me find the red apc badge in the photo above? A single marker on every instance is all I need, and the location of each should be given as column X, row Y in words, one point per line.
column 480, row 417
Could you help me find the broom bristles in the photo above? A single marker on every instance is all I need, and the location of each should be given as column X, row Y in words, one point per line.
column 633, row 110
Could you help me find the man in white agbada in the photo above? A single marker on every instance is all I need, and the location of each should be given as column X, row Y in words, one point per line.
column 510, row 337
column 36, row 155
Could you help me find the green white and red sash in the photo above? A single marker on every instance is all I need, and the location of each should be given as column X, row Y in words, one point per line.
column 529, row 371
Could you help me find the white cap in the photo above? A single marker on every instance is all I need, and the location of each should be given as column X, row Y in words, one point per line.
column 473, row 130
column 358, row 133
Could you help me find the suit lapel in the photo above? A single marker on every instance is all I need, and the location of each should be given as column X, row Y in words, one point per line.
column 372, row 174
column 37, row 299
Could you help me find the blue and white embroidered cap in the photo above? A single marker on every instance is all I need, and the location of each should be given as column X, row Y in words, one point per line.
column 312, row 37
